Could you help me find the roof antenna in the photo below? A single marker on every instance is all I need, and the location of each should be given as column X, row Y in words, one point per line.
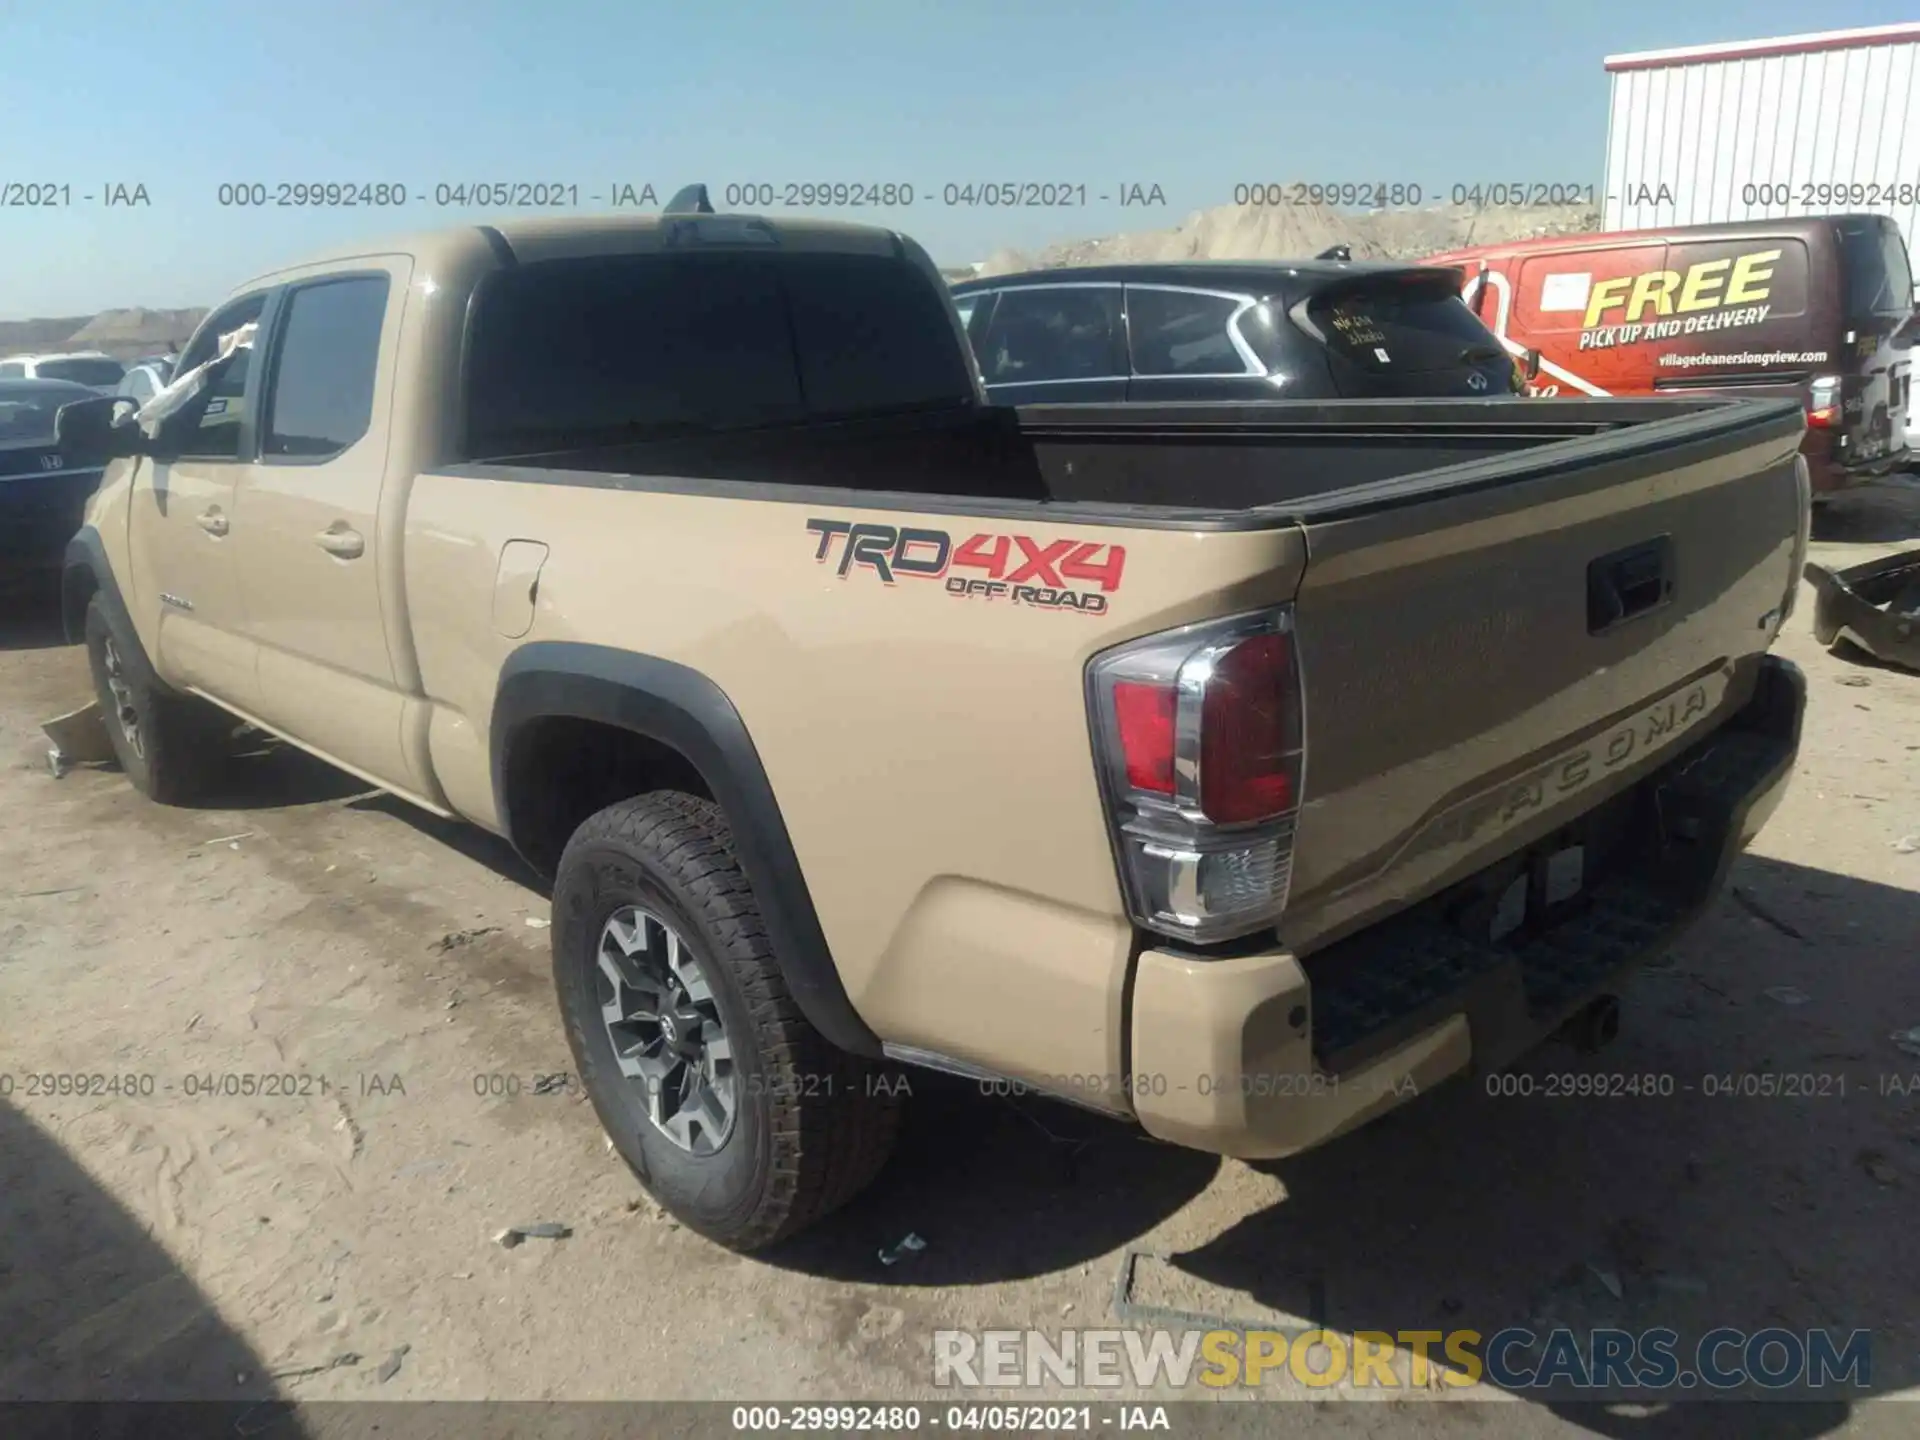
column 1336, row 252
column 690, row 201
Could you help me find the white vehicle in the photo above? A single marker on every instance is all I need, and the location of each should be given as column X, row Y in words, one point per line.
column 91, row 368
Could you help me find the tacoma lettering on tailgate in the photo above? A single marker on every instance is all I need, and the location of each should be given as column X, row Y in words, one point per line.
column 1491, row 812
column 1015, row 568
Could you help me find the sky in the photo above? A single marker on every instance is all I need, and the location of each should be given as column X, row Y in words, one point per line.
column 1192, row 96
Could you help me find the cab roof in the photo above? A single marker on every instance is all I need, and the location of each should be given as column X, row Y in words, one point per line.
column 528, row 239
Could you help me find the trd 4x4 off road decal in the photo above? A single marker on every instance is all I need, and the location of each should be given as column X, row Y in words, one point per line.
column 1017, row 568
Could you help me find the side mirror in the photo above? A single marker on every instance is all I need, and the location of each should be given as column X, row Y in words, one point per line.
column 91, row 432
column 1533, row 364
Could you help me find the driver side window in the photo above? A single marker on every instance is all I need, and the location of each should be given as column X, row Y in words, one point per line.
column 212, row 425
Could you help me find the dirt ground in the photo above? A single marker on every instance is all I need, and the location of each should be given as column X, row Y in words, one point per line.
column 168, row 1243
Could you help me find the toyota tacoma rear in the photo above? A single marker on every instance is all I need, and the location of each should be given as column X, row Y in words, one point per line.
column 1223, row 767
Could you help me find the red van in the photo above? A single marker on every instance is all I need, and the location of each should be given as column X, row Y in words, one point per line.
column 1819, row 308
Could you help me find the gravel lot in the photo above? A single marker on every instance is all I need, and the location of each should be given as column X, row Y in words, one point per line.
column 175, row 1244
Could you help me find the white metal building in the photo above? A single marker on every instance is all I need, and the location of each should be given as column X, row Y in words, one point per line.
column 1801, row 125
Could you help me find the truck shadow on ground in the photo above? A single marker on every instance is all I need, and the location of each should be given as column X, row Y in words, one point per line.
column 1000, row 1188
column 1882, row 514
column 1706, row 1201
column 263, row 772
column 93, row 1309
column 1691, row 1210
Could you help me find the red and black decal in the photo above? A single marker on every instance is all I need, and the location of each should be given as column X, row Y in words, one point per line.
column 1049, row 574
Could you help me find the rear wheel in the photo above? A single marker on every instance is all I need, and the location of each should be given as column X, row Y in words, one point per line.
column 169, row 744
column 733, row 1111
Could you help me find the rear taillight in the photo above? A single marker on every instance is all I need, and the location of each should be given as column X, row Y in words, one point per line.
column 1199, row 738
column 1823, row 402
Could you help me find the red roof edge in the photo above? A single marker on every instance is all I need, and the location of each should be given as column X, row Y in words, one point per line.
column 1761, row 49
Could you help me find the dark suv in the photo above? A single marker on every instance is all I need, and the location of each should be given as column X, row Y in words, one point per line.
column 1230, row 330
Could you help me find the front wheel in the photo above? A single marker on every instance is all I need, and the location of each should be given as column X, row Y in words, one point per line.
column 733, row 1111
column 169, row 744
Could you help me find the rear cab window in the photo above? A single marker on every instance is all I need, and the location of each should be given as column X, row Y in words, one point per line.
column 572, row 353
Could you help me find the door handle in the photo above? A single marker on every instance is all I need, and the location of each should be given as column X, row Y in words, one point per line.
column 213, row 522
column 347, row 544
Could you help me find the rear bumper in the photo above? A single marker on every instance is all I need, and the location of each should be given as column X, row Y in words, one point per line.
column 1848, row 605
column 1831, row 472
column 1266, row 1055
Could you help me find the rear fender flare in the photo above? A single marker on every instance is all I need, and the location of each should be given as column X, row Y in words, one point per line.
column 681, row 708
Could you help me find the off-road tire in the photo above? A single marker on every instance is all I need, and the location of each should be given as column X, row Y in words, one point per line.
column 172, row 746
column 812, row 1124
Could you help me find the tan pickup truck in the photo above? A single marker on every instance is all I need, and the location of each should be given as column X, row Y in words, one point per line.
column 1233, row 769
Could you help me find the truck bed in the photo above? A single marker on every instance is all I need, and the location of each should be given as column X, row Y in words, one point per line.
column 1204, row 461
column 1467, row 614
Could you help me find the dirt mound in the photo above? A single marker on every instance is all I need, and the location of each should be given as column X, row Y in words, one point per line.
column 137, row 326
column 1277, row 232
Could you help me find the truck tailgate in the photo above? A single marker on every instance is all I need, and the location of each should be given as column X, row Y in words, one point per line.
column 1491, row 651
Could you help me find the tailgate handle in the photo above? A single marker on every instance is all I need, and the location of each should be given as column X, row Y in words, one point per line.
column 1629, row 583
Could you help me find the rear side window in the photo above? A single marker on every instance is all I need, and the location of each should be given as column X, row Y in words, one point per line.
column 1402, row 327
column 329, row 351
column 1178, row 332
column 569, row 353
column 1878, row 278
column 871, row 336
column 1054, row 332
column 82, row 371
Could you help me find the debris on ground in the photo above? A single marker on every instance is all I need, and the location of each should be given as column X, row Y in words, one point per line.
column 459, row 939
column 78, row 737
column 535, row 922
column 1609, row 1279
column 390, row 1367
column 1786, row 994
column 232, row 840
column 514, row 1235
column 911, row 1244
column 1854, row 680
column 551, row 1084
column 1879, row 1169
column 1907, row 1042
column 1760, row 912
column 1908, row 845
column 306, row 1372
